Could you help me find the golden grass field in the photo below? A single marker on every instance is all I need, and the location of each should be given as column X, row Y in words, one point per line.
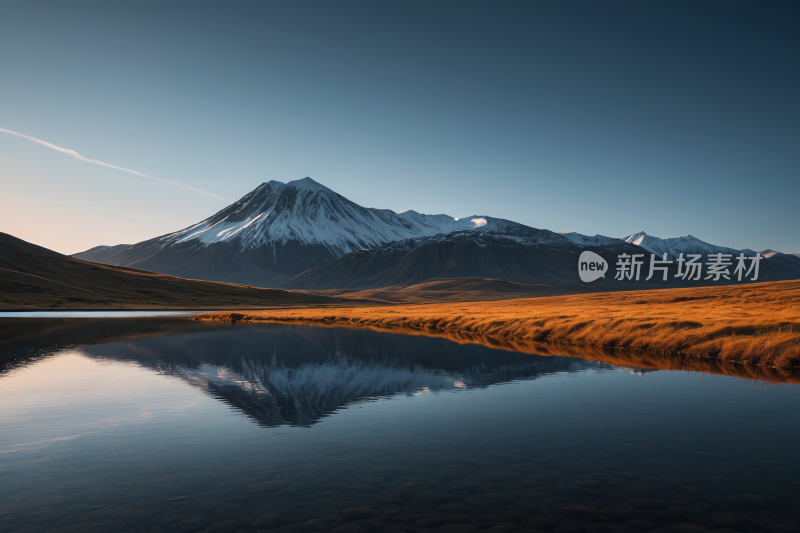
column 757, row 324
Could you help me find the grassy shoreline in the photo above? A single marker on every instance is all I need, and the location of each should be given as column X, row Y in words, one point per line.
column 756, row 324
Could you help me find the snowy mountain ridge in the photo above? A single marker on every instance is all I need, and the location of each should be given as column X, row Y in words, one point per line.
column 308, row 212
column 495, row 230
column 673, row 247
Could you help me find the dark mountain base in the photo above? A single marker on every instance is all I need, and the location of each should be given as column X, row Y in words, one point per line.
column 500, row 258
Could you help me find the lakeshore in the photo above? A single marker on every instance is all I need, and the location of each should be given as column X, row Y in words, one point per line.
column 757, row 324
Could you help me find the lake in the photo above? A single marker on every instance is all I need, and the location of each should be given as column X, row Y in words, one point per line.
column 93, row 314
column 169, row 424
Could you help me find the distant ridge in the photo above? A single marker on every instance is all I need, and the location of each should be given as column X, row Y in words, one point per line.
column 586, row 240
column 680, row 245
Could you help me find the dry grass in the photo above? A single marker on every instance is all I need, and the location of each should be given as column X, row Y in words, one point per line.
column 756, row 324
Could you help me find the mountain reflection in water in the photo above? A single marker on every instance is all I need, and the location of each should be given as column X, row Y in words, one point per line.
column 297, row 375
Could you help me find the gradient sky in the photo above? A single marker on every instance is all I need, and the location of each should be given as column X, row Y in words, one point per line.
column 599, row 117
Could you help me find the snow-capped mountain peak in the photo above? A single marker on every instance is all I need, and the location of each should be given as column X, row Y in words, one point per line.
column 636, row 238
column 307, row 184
column 305, row 211
column 673, row 247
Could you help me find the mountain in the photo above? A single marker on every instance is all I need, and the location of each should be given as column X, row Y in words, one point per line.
column 673, row 247
column 275, row 231
column 772, row 253
column 526, row 255
column 302, row 235
column 101, row 251
column 32, row 277
column 586, row 240
column 790, row 262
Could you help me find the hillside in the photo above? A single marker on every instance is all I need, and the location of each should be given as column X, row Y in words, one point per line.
column 538, row 257
column 469, row 290
column 32, row 277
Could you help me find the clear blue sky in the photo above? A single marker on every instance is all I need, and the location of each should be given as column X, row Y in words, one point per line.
column 599, row 117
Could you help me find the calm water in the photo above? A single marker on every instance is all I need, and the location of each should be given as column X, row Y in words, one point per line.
column 94, row 314
column 185, row 426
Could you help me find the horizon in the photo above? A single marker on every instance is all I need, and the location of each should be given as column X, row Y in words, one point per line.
column 590, row 118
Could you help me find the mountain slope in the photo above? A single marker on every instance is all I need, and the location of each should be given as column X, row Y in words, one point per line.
column 277, row 230
column 103, row 251
column 541, row 257
column 587, row 240
column 32, row 277
column 673, row 247
column 772, row 253
column 788, row 262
